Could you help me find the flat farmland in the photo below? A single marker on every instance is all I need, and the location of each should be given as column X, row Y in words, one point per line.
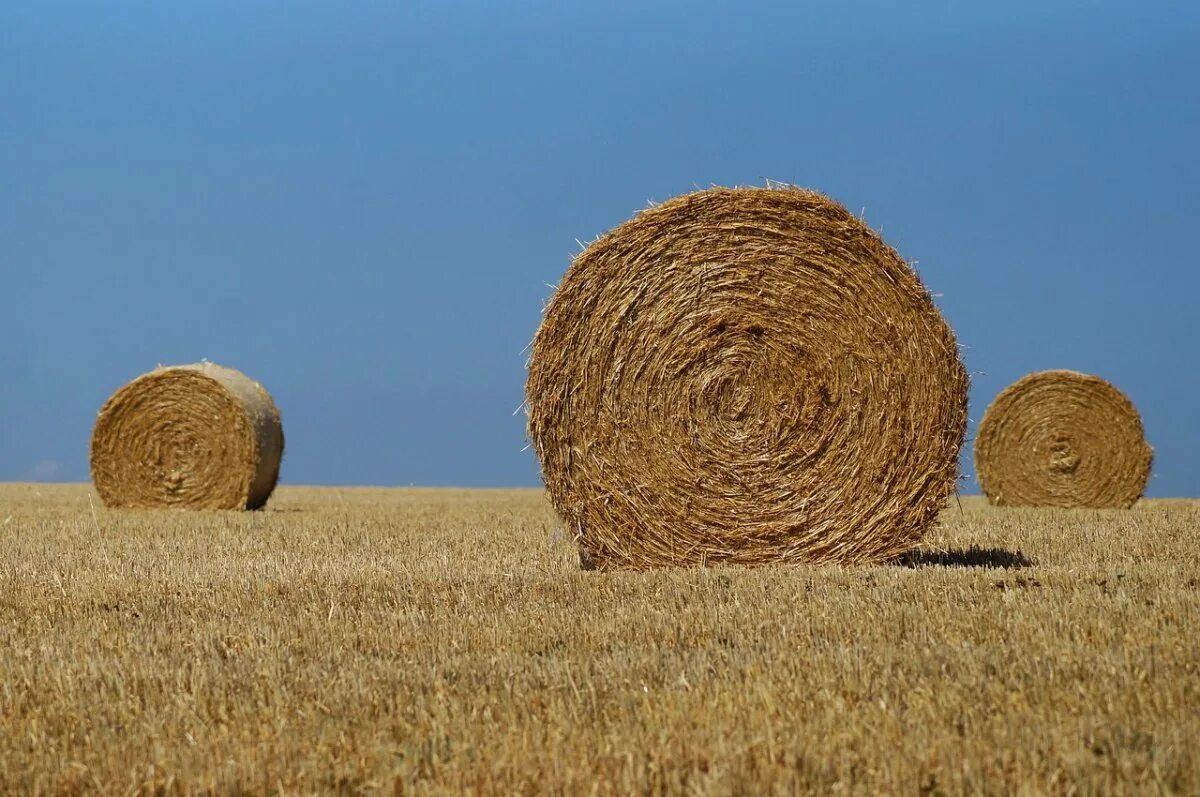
column 446, row 641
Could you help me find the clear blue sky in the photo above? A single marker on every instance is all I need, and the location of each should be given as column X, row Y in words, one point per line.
column 362, row 204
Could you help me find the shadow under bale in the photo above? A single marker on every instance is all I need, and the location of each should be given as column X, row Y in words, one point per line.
column 996, row 558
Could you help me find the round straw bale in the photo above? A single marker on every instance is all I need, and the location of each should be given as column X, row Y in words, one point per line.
column 745, row 375
column 190, row 436
column 1062, row 438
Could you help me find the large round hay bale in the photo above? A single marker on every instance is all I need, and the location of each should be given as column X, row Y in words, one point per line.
column 189, row 436
column 1062, row 438
column 744, row 375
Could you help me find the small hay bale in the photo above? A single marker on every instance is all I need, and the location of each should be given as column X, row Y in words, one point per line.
column 744, row 375
column 1064, row 439
column 190, row 436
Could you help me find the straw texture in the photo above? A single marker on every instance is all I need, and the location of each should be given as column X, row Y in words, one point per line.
column 190, row 436
column 744, row 375
column 1063, row 439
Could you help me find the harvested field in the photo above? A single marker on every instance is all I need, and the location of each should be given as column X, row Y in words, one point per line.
column 437, row 641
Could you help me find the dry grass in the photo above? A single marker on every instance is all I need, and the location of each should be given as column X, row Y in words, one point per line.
column 439, row 641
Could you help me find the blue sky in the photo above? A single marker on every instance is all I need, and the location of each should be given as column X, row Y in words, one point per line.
column 362, row 205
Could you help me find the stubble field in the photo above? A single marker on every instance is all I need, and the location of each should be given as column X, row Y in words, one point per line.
column 364, row 640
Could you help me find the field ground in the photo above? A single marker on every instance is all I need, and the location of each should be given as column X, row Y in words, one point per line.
column 446, row 641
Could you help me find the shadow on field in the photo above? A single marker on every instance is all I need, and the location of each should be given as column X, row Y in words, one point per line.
column 966, row 557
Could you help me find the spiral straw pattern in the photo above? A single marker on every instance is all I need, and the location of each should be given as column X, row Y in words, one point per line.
column 744, row 375
column 190, row 436
column 1063, row 439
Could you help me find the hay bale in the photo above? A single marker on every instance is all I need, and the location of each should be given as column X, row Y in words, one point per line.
column 1062, row 438
column 744, row 375
column 190, row 436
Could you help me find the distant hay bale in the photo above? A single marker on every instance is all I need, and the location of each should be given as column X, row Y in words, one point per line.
column 190, row 436
column 744, row 375
column 1064, row 439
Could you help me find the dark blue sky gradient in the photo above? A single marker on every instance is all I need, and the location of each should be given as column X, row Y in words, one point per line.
column 362, row 205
